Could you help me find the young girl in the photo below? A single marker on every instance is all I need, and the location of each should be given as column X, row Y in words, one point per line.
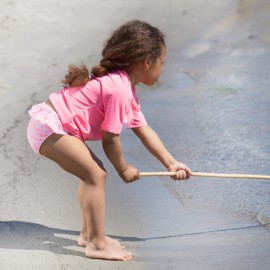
column 97, row 107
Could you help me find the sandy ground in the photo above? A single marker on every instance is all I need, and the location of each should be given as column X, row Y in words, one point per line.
column 218, row 59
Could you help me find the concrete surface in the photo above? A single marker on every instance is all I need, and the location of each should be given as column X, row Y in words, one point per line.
column 211, row 108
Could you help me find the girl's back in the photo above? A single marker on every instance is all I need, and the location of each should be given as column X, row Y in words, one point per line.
column 104, row 103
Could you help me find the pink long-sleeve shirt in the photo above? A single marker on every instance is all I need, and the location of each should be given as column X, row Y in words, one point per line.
column 107, row 103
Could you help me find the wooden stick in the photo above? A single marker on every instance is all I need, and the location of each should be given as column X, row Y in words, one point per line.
column 203, row 174
column 157, row 174
column 228, row 175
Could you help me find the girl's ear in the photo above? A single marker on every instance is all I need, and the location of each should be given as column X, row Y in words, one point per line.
column 146, row 64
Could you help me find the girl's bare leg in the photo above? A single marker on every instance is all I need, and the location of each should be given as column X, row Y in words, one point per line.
column 82, row 241
column 73, row 156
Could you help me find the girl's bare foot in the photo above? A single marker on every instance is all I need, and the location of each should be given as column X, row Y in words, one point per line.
column 107, row 251
column 82, row 241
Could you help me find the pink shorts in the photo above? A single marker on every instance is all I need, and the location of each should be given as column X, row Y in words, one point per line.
column 44, row 122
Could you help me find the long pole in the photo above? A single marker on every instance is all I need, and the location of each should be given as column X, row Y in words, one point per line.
column 205, row 174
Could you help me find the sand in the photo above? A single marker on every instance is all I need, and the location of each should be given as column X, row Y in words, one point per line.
column 166, row 225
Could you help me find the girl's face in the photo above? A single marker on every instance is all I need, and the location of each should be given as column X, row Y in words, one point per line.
column 152, row 72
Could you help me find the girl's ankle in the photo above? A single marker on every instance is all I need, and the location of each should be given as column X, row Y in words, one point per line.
column 99, row 243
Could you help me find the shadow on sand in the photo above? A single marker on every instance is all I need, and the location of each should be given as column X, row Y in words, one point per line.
column 31, row 236
column 137, row 239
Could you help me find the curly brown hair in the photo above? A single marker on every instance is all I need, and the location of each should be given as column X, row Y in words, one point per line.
column 132, row 42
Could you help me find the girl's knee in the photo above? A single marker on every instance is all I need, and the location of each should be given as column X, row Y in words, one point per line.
column 95, row 177
column 102, row 174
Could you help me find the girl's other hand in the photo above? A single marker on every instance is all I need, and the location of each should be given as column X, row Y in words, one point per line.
column 182, row 171
column 130, row 174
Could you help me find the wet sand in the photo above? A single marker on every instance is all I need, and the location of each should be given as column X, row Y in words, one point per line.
column 216, row 83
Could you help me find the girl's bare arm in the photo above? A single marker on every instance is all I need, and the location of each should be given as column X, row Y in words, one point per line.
column 154, row 145
column 113, row 149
